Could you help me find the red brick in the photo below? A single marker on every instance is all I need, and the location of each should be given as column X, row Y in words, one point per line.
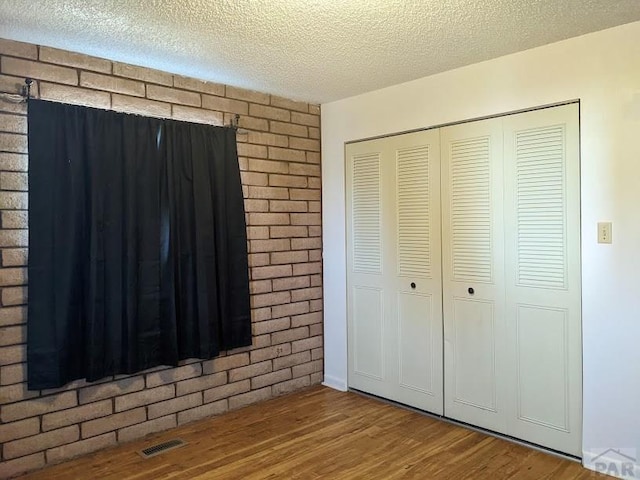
column 12, row 316
column 315, row 231
column 314, row 157
column 314, row 133
column 315, row 207
column 306, row 219
column 225, row 391
column 113, row 422
column 71, row 416
column 271, row 272
column 254, row 178
column 291, row 360
column 271, row 113
column 291, row 385
column 201, row 383
column 316, row 329
column 275, row 245
column 111, row 84
column 290, row 335
column 268, row 299
column 270, row 378
column 316, row 280
column 305, row 144
column 263, row 192
column 305, row 119
column 277, row 153
column 304, row 169
column 221, row 364
column 75, row 96
column 111, row 389
column 204, row 411
column 144, row 397
column 13, row 162
column 263, row 138
column 12, row 335
column 290, row 283
column 287, row 181
column 173, row 375
column 13, row 123
column 249, row 371
column 268, row 166
column 254, row 123
column 23, row 464
column 72, row 59
column 13, row 142
column 305, row 194
column 315, row 305
column 305, row 243
column 40, row 71
column 11, row 374
column 306, row 294
column 261, row 232
column 260, row 286
column 315, row 255
column 196, row 115
column 18, row 49
column 17, row 353
column 306, row 319
column 245, row 399
column 290, row 309
column 83, row 447
column 142, row 73
column 307, row 368
column 269, row 353
column 262, row 341
column 174, row 405
column 173, row 95
column 260, row 314
column 250, row 150
column 287, row 206
column 198, row 85
column 307, row 268
column 268, row 219
column 258, row 259
column 21, row 429
column 289, row 104
column 16, row 393
column 288, row 232
column 289, row 129
column 297, row 256
column 268, row 326
column 13, row 296
column 221, row 104
column 143, row 429
column 306, row 344
column 317, row 353
column 25, row 446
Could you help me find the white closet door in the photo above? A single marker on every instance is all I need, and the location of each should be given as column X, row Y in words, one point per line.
column 394, row 275
column 473, row 274
column 542, row 220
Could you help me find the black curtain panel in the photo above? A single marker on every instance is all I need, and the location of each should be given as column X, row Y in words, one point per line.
column 137, row 244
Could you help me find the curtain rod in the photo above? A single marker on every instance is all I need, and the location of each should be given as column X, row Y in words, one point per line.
column 23, row 96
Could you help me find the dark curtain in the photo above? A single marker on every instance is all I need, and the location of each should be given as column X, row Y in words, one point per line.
column 137, row 244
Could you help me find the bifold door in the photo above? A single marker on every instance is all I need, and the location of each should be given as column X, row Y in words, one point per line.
column 464, row 244
column 394, row 274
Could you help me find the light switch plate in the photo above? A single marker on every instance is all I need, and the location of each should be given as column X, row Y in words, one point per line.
column 604, row 232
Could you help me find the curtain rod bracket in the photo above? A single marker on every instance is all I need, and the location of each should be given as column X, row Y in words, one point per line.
column 234, row 124
column 26, row 89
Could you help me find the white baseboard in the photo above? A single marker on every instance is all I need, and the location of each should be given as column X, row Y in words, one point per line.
column 619, row 463
column 335, row 383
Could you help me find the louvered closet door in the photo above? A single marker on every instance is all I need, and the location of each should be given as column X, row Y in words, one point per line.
column 473, row 274
column 394, row 278
column 542, row 213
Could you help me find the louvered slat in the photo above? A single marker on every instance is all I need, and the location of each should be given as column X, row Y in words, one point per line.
column 541, row 207
column 471, row 209
column 367, row 242
column 414, row 211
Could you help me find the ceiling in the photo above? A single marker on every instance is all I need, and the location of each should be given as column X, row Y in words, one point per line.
column 312, row 50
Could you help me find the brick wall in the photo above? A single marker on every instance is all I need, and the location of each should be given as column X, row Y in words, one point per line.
column 280, row 163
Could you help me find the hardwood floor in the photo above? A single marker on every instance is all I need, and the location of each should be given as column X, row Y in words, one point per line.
column 320, row 433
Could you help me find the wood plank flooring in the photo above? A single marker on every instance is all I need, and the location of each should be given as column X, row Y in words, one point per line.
column 320, row 433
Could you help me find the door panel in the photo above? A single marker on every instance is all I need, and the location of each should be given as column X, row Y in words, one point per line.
column 473, row 282
column 393, row 226
column 542, row 239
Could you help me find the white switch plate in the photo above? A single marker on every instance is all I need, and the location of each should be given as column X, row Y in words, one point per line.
column 604, row 232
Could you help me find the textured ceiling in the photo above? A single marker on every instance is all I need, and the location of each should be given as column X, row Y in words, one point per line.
column 313, row 50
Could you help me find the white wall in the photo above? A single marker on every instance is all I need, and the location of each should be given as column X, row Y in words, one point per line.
column 603, row 71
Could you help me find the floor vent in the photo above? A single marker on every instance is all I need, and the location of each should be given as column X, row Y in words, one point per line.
column 161, row 447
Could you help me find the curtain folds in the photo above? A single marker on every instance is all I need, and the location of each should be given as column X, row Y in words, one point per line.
column 137, row 244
